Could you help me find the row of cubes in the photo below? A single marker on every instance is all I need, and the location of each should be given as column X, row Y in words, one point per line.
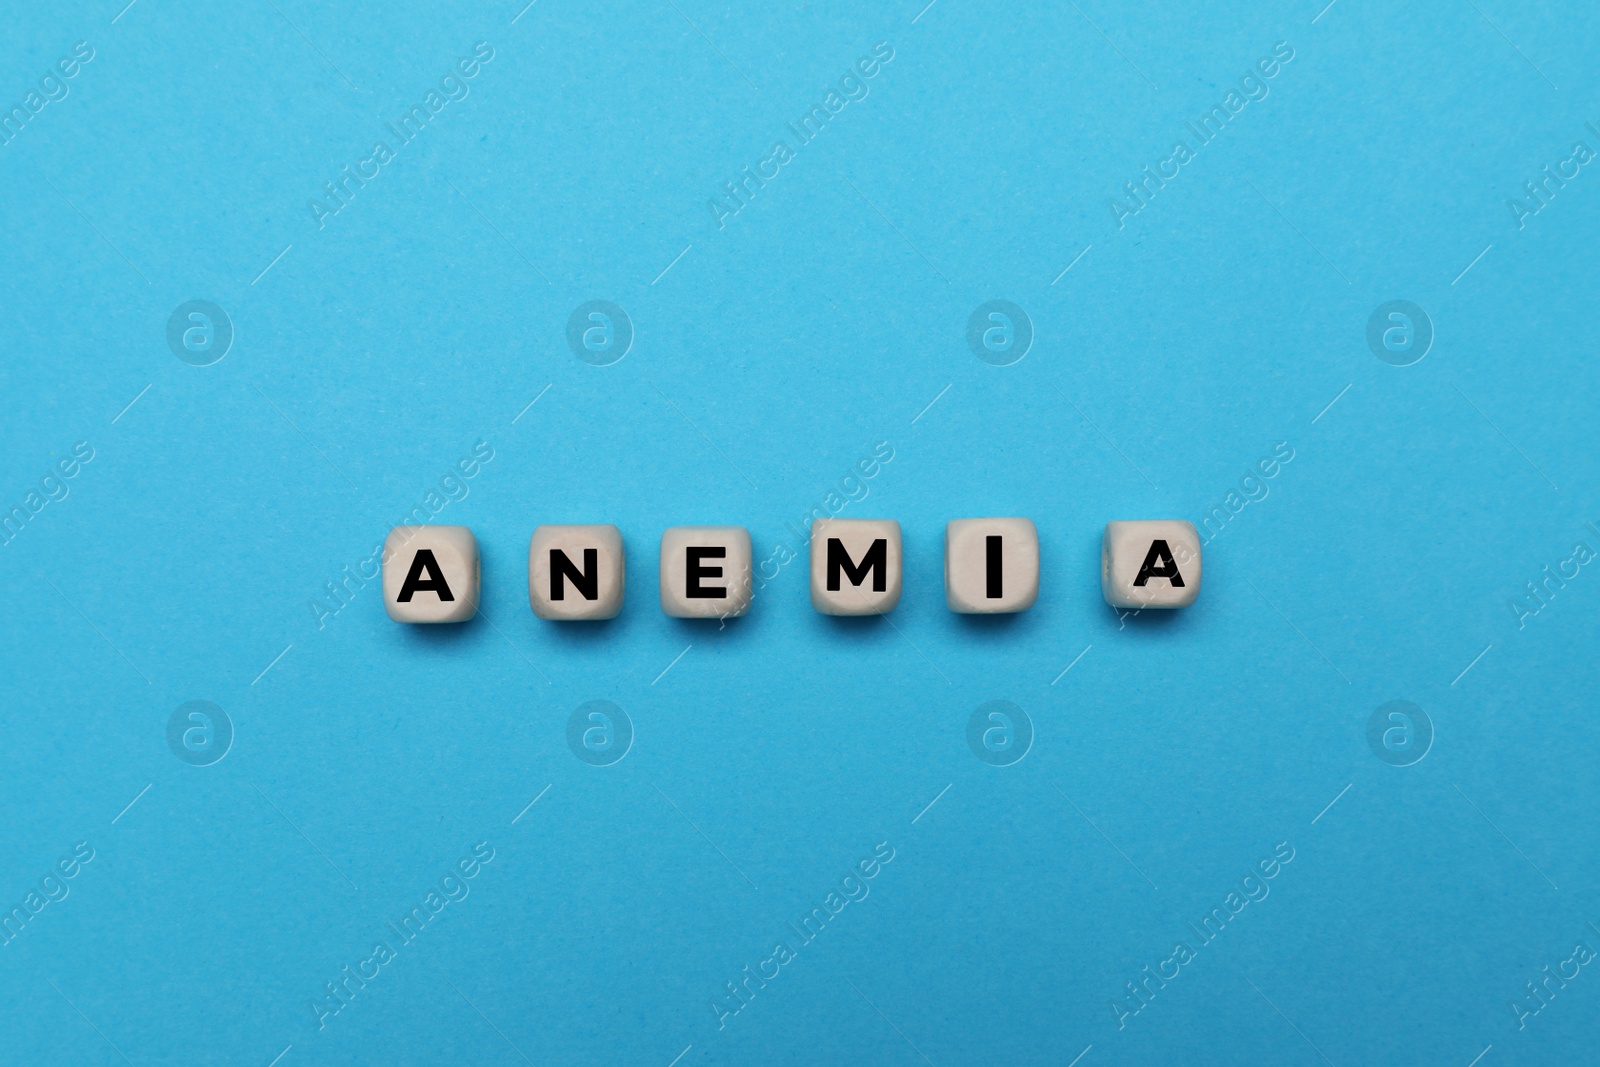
column 991, row 566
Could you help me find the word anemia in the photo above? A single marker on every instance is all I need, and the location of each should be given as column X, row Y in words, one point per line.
column 431, row 574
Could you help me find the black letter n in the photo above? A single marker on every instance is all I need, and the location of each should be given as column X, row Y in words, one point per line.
column 1158, row 563
column 876, row 560
column 586, row 581
column 415, row 583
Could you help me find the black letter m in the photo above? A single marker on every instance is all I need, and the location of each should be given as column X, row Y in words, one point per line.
column 876, row 560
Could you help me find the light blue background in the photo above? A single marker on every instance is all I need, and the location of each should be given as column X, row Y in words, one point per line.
column 772, row 356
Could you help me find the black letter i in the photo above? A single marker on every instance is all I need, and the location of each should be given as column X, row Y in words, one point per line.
column 991, row 545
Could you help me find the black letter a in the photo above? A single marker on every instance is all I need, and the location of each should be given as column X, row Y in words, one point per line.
column 1159, row 564
column 415, row 583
